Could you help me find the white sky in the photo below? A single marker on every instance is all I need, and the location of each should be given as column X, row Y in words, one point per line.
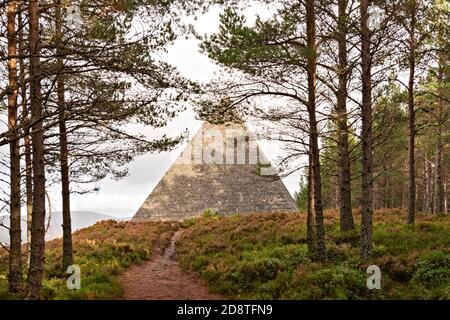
column 123, row 198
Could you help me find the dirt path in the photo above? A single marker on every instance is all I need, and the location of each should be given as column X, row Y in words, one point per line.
column 162, row 278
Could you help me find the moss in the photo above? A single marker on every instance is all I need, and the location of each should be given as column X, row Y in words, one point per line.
column 210, row 213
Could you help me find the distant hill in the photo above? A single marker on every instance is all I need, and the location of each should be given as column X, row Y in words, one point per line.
column 80, row 220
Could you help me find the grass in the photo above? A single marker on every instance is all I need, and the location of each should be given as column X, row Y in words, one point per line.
column 264, row 256
column 102, row 252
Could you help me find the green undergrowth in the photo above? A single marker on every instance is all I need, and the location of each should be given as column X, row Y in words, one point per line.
column 265, row 256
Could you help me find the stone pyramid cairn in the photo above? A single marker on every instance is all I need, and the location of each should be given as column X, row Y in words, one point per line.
column 222, row 169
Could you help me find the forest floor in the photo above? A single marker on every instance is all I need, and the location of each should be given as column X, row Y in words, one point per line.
column 161, row 278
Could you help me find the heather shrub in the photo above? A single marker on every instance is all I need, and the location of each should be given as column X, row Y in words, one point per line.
column 265, row 256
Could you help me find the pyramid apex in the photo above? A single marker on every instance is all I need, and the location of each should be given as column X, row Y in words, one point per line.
column 222, row 168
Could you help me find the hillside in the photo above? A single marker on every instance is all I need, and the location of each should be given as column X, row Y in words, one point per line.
column 102, row 252
column 259, row 256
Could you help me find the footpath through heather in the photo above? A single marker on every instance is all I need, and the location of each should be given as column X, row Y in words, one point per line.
column 162, row 278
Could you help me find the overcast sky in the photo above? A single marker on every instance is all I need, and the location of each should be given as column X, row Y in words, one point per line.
column 123, row 198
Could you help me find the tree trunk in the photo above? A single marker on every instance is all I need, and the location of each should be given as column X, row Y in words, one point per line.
column 411, row 120
column 392, row 197
column 425, row 187
column 310, row 236
column 26, row 139
column 36, row 270
column 446, row 192
column 345, row 197
column 15, row 245
column 432, row 188
column 28, row 188
column 65, row 184
column 366, row 137
column 314, row 134
column 429, row 175
column 384, row 202
column 439, row 188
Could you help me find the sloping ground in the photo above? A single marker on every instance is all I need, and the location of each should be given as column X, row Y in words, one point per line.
column 264, row 256
column 102, row 252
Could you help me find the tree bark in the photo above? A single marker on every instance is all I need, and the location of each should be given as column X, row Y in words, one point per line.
column 310, row 234
column 411, row 119
column 366, row 137
column 384, row 202
column 36, row 269
column 15, row 245
column 67, row 259
column 439, row 188
column 314, row 134
column 446, row 192
column 432, row 188
column 429, row 180
column 26, row 139
column 391, row 191
column 345, row 198
column 425, row 187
